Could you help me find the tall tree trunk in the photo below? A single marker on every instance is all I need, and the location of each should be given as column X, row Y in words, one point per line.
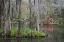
column 1, row 12
column 0, row 20
column 37, row 14
column 7, row 17
column 19, row 18
column 30, row 13
column 17, row 6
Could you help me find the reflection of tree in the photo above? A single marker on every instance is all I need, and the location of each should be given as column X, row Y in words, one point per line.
column 56, row 35
column 19, row 40
column 29, row 39
column 5, row 40
column 48, row 28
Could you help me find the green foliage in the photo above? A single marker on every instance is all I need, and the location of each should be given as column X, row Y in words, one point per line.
column 32, row 15
column 62, row 12
column 13, row 31
column 62, row 22
column 1, row 30
column 59, row 21
column 16, row 15
column 51, row 13
column 34, row 33
column 25, row 32
column 40, row 33
column 37, row 33
column 29, row 32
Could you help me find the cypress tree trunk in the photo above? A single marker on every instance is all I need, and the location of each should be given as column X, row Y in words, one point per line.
column 30, row 25
column 1, row 12
column 37, row 14
column 7, row 18
column 19, row 19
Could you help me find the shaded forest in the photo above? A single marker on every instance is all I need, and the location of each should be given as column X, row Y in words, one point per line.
column 27, row 17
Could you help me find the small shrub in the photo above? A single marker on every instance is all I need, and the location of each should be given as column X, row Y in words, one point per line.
column 37, row 33
column 13, row 31
column 27, row 32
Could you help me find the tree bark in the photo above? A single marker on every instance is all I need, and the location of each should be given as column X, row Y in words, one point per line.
column 7, row 17
column 30, row 25
column 19, row 18
column 37, row 14
column 1, row 12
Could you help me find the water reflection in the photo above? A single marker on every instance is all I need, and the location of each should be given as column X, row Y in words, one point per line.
column 22, row 40
column 5, row 40
column 48, row 28
column 55, row 34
